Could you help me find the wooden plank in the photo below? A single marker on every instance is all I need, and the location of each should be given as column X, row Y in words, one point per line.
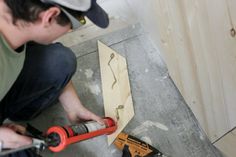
column 227, row 144
column 213, row 50
column 115, row 87
column 200, row 55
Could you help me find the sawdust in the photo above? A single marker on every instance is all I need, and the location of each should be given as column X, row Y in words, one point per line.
column 146, row 139
column 94, row 88
column 88, row 73
column 144, row 127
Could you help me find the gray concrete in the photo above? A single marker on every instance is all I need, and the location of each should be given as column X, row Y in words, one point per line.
column 157, row 102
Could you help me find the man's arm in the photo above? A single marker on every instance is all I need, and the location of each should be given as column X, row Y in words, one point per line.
column 73, row 106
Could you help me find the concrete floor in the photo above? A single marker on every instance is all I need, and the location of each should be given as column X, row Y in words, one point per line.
column 161, row 116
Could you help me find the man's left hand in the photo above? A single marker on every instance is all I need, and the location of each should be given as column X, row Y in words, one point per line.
column 74, row 108
column 81, row 114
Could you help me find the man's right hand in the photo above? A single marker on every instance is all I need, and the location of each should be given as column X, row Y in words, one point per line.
column 11, row 138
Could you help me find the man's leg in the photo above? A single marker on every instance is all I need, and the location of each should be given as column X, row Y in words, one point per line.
column 46, row 71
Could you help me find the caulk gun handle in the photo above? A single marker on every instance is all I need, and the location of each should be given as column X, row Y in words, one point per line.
column 126, row 152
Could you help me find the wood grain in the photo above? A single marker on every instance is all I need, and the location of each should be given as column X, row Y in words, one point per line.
column 195, row 41
column 227, row 144
column 115, row 87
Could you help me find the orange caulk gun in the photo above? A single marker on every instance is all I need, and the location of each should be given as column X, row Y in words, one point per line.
column 57, row 138
column 60, row 137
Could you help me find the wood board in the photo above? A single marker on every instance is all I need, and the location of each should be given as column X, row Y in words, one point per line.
column 195, row 40
column 227, row 144
column 115, row 88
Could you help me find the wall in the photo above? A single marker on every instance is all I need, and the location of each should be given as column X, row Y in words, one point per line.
column 195, row 41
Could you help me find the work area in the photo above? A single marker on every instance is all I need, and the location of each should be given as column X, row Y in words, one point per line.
column 127, row 78
column 162, row 118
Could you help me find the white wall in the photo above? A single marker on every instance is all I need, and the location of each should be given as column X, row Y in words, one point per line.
column 118, row 9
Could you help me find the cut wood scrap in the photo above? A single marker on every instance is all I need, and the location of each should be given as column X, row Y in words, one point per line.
column 117, row 96
column 227, row 144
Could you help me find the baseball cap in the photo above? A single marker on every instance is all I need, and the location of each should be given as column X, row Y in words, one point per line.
column 88, row 8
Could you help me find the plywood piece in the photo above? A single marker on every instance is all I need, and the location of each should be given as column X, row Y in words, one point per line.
column 115, row 87
column 227, row 144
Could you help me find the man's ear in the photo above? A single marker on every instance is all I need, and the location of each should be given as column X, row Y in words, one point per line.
column 48, row 17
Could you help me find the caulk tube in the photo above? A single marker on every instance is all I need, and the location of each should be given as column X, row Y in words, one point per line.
column 62, row 136
column 90, row 126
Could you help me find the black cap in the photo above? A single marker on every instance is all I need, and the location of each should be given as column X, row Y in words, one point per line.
column 97, row 15
column 89, row 8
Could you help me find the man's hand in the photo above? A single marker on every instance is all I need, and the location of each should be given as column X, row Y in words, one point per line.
column 81, row 113
column 74, row 108
column 9, row 135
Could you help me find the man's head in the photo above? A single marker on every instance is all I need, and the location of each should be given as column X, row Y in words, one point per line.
column 54, row 18
column 87, row 8
column 29, row 11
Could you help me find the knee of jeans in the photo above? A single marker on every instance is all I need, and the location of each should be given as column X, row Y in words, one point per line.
column 60, row 64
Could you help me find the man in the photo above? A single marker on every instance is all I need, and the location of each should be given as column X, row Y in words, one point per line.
column 34, row 72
